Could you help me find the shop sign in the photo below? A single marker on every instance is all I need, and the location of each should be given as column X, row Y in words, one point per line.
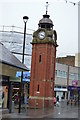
column 15, row 79
column 75, row 82
column 70, row 87
column 26, row 76
column 5, row 79
column 78, row 87
column 73, row 88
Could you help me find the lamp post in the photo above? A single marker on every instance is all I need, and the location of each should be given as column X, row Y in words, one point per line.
column 67, row 82
column 25, row 19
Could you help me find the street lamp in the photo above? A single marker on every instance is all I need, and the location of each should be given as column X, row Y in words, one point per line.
column 25, row 19
column 67, row 83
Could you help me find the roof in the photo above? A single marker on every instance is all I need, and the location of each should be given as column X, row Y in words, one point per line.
column 46, row 21
column 6, row 57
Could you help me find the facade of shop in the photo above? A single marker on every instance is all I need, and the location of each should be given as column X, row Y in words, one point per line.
column 61, row 80
column 26, row 83
column 67, row 79
column 9, row 65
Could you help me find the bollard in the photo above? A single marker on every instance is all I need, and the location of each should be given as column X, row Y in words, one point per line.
column 35, row 103
column 43, row 103
column 12, row 107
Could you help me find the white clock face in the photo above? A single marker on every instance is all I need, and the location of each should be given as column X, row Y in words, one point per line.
column 41, row 34
column 53, row 36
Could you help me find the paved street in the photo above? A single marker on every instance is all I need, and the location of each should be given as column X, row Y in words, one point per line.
column 61, row 111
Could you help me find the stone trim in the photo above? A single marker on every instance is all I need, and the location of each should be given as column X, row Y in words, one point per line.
column 41, row 98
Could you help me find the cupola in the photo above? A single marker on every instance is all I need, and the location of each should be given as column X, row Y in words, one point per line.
column 46, row 22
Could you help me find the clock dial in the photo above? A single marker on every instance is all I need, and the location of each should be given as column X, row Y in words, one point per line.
column 53, row 36
column 41, row 34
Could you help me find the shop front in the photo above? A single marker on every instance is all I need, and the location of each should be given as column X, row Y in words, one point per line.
column 26, row 84
column 61, row 92
column 74, row 92
column 4, row 91
column 9, row 65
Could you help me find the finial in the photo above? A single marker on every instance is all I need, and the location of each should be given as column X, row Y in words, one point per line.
column 46, row 7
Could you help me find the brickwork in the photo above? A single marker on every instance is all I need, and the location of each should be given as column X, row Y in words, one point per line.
column 42, row 74
column 68, row 60
column 40, row 103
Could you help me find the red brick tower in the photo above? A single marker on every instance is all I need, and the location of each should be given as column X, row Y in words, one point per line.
column 43, row 64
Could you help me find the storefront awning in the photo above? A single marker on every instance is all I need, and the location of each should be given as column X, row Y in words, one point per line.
column 9, row 64
column 60, row 89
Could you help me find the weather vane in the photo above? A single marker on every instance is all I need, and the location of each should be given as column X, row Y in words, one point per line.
column 47, row 7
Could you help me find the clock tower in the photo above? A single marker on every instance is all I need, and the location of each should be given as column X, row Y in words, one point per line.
column 43, row 62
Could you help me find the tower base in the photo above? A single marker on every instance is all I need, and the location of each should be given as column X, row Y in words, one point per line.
column 40, row 102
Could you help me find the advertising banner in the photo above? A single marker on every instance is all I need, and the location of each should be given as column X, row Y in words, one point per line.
column 75, row 82
column 26, row 76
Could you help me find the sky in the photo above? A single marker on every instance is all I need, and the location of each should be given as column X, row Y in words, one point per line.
column 64, row 16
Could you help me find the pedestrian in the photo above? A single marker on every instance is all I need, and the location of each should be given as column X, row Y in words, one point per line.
column 54, row 100
column 57, row 98
column 3, row 100
column 57, row 101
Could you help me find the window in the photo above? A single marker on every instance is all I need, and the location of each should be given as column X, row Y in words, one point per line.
column 78, row 76
column 56, row 73
column 62, row 74
column 73, row 76
column 38, row 88
column 40, row 58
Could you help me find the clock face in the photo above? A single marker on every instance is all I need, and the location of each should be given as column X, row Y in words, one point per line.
column 41, row 35
column 53, row 36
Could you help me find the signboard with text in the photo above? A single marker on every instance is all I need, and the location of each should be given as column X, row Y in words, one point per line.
column 75, row 82
column 74, row 88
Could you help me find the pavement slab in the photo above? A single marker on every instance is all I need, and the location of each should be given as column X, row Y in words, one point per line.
column 63, row 111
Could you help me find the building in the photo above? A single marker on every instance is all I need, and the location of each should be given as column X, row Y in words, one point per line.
column 12, row 39
column 69, row 66
column 67, row 79
column 77, row 59
column 78, row 33
column 61, row 80
column 9, row 65
column 68, row 60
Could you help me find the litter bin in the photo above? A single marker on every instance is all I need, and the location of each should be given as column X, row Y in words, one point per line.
column 12, row 106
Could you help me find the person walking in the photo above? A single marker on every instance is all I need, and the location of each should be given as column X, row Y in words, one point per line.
column 3, row 100
column 57, row 101
column 54, row 100
column 57, row 98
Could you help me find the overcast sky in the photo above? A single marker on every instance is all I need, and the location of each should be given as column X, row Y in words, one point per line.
column 64, row 16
